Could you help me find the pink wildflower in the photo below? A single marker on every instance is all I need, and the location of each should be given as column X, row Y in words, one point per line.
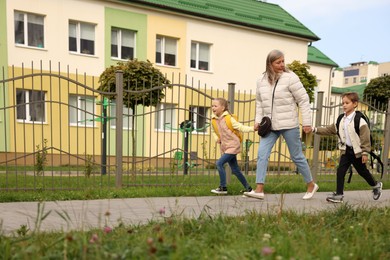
column 267, row 251
column 107, row 230
column 94, row 238
column 162, row 211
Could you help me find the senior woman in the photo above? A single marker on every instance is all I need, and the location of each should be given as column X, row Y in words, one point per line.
column 279, row 93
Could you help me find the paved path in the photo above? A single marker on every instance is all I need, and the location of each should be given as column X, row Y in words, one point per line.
column 86, row 214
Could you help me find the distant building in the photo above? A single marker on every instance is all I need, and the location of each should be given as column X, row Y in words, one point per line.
column 357, row 76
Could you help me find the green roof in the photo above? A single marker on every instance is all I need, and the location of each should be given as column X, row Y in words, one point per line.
column 249, row 13
column 316, row 56
column 357, row 88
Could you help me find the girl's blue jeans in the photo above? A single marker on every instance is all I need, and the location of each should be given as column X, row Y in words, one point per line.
column 231, row 159
column 293, row 140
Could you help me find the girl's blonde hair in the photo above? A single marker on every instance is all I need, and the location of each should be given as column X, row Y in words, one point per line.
column 223, row 102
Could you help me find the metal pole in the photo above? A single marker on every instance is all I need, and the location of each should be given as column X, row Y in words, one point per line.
column 104, row 133
column 231, row 89
column 119, row 128
column 316, row 144
column 185, row 164
column 386, row 146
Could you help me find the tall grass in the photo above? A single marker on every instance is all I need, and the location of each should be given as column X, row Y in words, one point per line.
column 342, row 233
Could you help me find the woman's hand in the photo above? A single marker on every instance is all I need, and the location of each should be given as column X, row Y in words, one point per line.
column 364, row 158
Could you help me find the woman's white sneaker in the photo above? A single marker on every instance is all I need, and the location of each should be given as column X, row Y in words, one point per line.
column 253, row 194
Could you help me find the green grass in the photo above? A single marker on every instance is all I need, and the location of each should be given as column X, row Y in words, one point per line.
column 38, row 188
column 342, row 233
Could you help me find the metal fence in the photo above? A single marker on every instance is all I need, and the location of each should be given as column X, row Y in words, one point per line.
column 58, row 131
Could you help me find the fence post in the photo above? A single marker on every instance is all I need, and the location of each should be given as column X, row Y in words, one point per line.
column 231, row 89
column 316, row 144
column 119, row 128
column 385, row 154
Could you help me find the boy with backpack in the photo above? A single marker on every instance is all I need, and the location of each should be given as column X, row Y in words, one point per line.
column 355, row 147
column 227, row 132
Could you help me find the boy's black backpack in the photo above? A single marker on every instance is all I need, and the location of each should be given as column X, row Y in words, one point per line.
column 357, row 130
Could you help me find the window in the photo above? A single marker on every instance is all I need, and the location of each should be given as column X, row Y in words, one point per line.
column 345, row 81
column 82, row 38
column 127, row 116
column 166, row 51
column 81, row 110
column 350, row 73
column 200, row 56
column 166, row 114
column 354, row 79
column 198, row 115
column 122, row 44
column 30, row 105
column 29, row 29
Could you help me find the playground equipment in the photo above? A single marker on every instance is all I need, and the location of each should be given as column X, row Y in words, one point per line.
column 186, row 127
column 103, row 119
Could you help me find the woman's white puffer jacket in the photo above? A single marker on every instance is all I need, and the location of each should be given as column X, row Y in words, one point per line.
column 289, row 93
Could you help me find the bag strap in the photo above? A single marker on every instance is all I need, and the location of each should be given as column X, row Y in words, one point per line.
column 273, row 94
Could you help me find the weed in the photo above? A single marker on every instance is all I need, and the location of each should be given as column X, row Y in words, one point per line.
column 89, row 166
column 41, row 158
column 23, row 230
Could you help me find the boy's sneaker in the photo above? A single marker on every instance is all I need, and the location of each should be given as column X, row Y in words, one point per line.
column 220, row 190
column 377, row 191
column 335, row 198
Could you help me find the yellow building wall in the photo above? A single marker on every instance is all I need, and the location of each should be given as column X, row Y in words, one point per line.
column 25, row 136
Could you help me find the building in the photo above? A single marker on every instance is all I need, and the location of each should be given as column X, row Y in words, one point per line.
column 357, row 76
column 208, row 42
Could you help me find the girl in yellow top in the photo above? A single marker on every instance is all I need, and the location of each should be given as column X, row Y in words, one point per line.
column 230, row 145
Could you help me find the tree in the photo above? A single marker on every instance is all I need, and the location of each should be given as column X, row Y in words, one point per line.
column 137, row 76
column 308, row 80
column 378, row 91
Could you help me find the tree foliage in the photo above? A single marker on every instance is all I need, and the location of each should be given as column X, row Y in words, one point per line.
column 378, row 91
column 308, row 80
column 137, row 76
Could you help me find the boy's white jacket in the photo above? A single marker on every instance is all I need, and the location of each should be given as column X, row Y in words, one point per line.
column 361, row 144
column 289, row 93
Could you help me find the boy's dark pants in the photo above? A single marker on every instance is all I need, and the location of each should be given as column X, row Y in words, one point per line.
column 345, row 161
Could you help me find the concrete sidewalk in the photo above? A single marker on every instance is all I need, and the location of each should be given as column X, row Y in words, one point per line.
column 87, row 214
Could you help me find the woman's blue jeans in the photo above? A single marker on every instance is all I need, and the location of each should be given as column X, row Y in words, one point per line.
column 231, row 159
column 293, row 140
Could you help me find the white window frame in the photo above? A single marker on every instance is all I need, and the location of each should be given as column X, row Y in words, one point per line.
column 118, row 36
column 164, row 48
column 127, row 116
column 30, row 37
column 79, row 31
column 199, row 58
column 165, row 115
column 28, row 110
column 86, row 114
column 195, row 115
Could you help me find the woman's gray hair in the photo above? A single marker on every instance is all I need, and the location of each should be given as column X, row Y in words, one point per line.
column 269, row 72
